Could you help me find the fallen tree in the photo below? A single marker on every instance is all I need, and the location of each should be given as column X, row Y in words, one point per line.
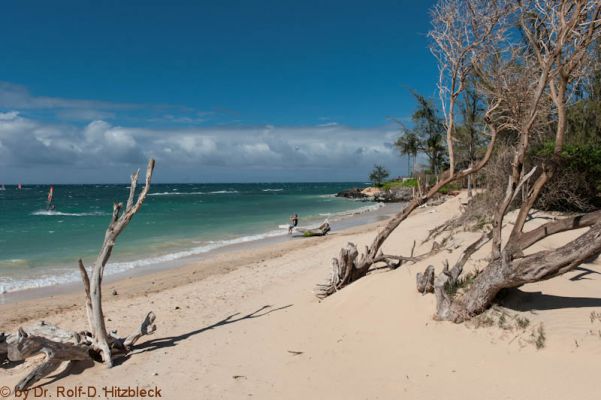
column 475, row 32
column 527, row 84
column 97, row 343
column 534, row 96
column 504, row 273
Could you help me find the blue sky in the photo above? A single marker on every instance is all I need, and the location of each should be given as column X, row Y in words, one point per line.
column 156, row 74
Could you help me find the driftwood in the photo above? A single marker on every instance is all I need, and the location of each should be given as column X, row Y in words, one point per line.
column 425, row 280
column 349, row 266
column 3, row 348
column 505, row 273
column 59, row 345
column 322, row 230
column 57, row 350
column 428, row 282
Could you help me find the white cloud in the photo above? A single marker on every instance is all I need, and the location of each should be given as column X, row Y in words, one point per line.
column 301, row 153
column 9, row 116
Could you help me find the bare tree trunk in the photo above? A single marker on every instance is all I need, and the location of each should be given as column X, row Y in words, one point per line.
column 56, row 353
column 469, row 187
column 503, row 273
column 93, row 286
column 462, row 33
column 59, row 345
column 350, row 266
column 559, row 37
column 425, row 280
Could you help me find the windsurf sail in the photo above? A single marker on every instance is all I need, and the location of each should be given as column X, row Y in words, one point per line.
column 50, row 197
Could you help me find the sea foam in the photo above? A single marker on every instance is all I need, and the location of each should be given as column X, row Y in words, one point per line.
column 58, row 276
column 65, row 275
column 51, row 213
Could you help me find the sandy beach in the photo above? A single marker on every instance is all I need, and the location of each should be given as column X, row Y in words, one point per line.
column 303, row 200
column 246, row 324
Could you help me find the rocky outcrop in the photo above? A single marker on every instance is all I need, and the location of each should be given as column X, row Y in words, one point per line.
column 354, row 193
column 395, row 195
column 372, row 191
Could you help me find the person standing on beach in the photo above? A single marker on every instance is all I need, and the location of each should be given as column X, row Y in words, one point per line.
column 293, row 222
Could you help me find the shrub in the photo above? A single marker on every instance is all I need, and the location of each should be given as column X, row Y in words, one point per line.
column 405, row 183
column 577, row 182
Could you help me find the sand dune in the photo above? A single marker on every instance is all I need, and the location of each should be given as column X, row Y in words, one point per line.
column 257, row 331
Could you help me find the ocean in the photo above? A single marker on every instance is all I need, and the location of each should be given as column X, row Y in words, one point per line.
column 40, row 248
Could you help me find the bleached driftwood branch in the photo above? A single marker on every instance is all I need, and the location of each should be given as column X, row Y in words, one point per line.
column 61, row 345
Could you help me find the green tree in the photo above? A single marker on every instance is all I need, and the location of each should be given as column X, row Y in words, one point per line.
column 409, row 145
column 584, row 115
column 576, row 185
column 378, row 174
column 470, row 139
column 429, row 129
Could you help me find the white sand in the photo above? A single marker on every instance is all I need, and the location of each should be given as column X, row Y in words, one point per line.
column 373, row 340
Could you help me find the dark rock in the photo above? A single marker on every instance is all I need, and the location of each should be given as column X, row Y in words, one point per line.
column 354, row 193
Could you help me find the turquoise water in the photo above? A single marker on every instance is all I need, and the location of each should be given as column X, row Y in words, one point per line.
column 41, row 248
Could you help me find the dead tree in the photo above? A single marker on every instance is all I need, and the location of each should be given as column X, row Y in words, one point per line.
column 461, row 29
column 559, row 36
column 97, row 343
column 483, row 25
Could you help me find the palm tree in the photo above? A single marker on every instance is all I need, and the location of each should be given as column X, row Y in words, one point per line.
column 408, row 145
column 430, row 131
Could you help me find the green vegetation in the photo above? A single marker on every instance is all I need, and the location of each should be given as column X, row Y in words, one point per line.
column 461, row 283
column 412, row 183
column 451, row 187
column 378, row 175
column 396, row 183
column 504, row 319
column 426, row 137
column 577, row 184
column 409, row 145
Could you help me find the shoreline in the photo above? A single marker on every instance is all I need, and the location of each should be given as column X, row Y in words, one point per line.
column 157, row 277
column 247, row 323
column 137, row 261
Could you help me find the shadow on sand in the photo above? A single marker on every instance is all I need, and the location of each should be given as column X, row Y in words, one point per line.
column 583, row 273
column 170, row 341
column 77, row 367
column 518, row 300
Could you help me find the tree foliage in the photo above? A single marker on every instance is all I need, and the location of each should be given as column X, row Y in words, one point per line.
column 378, row 175
column 426, row 136
column 409, row 145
